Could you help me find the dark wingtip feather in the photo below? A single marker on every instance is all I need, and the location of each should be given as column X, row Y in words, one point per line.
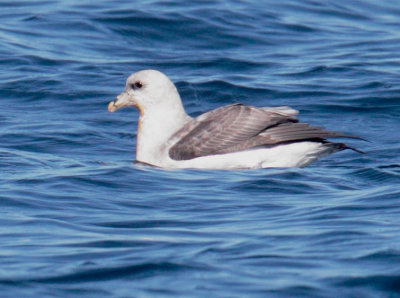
column 355, row 149
column 342, row 146
column 340, row 135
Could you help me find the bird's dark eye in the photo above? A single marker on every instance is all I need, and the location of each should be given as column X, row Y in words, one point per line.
column 136, row 85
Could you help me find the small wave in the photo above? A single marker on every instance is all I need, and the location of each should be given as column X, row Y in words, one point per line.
column 104, row 274
column 378, row 282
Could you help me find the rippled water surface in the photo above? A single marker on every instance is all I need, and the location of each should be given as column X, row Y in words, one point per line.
column 80, row 218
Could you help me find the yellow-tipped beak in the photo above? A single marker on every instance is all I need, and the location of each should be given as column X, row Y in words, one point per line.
column 111, row 107
column 122, row 100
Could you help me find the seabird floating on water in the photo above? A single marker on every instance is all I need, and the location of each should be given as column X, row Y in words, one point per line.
column 236, row 136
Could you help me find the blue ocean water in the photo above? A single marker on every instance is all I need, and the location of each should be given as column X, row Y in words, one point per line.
column 80, row 218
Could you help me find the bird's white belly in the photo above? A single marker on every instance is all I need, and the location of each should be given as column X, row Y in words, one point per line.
column 288, row 155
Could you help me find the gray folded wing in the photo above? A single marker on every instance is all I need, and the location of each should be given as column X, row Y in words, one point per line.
column 238, row 127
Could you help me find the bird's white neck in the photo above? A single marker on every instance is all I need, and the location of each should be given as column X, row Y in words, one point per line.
column 155, row 127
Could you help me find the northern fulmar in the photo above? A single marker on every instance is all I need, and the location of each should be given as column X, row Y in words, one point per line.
column 235, row 136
